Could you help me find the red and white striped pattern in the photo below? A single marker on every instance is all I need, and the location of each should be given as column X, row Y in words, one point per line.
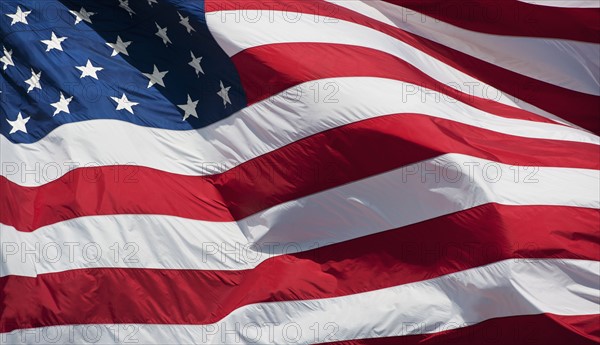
column 444, row 185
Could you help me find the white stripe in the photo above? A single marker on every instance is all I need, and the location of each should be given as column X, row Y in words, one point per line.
column 251, row 132
column 229, row 29
column 566, row 3
column 503, row 289
column 569, row 64
column 409, row 195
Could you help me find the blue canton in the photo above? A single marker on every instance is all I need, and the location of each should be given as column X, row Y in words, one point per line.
column 153, row 63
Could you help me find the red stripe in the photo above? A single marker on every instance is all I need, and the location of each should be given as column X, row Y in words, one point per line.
column 304, row 167
column 429, row 249
column 541, row 329
column 511, row 18
column 266, row 71
column 554, row 99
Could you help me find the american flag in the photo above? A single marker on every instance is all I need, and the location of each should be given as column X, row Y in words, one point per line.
column 315, row 171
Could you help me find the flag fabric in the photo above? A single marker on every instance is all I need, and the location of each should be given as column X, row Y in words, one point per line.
column 249, row 171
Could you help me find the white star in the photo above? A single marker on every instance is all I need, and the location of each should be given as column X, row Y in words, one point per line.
column 150, row 2
column 82, row 15
column 124, row 103
column 124, row 4
column 119, row 47
column 185, row 21
column 54, row 42
column 62, row 105
column 7, row 58
column 19, row 16
column 89, row 70
column 162, row 33
column 18, row 124
column 224, row 93
column 34, row 81
column 196, row 64
column 189, row 108
column 156, row 77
